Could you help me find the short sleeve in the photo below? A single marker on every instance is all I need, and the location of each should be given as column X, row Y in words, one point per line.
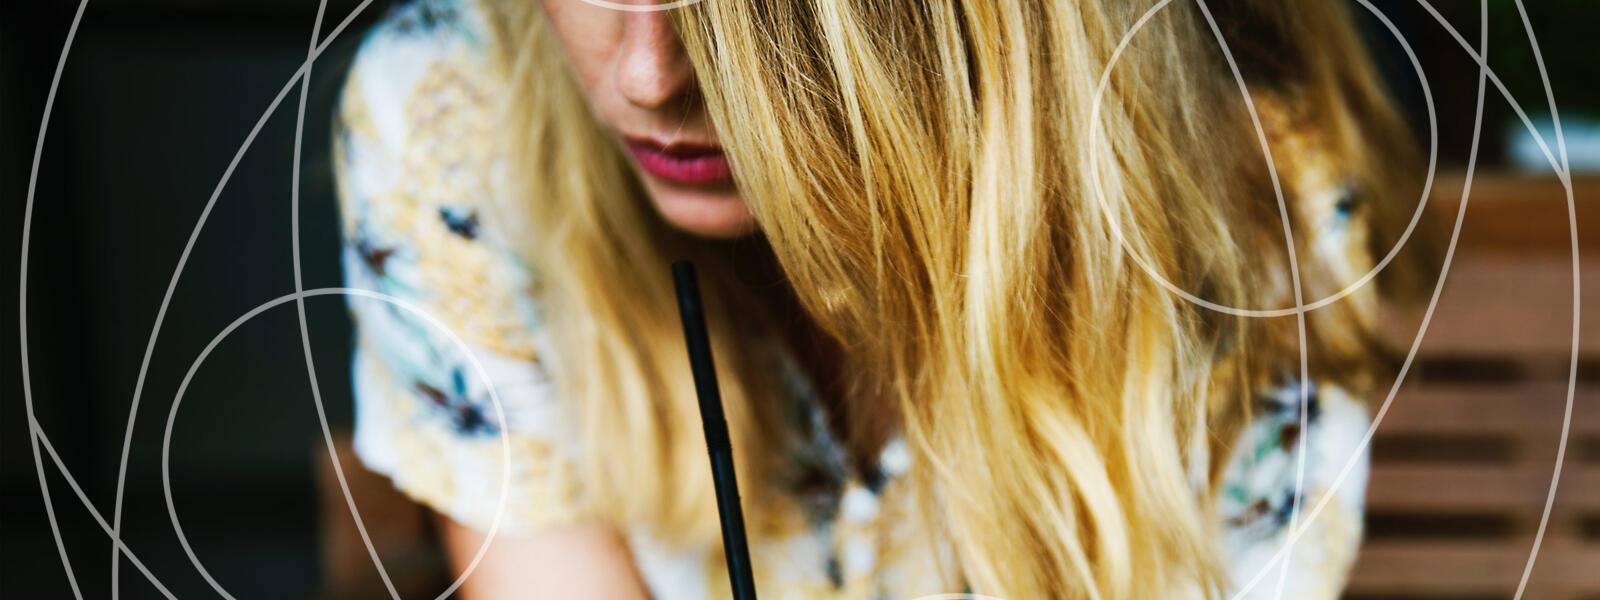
column 450, row 323
column 1259, row 491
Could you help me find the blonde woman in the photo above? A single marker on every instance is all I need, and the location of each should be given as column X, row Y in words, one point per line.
column 937, row 256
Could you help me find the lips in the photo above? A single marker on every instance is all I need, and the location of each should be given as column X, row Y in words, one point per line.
column 686, row 164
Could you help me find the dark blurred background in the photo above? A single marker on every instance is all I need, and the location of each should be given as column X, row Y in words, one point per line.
column 159, row 94
column 156, row 99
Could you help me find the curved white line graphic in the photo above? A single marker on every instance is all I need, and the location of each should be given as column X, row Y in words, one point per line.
column 41, row 445
column 461, row 346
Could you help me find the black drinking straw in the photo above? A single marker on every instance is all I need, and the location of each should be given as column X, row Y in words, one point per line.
column 722, row 474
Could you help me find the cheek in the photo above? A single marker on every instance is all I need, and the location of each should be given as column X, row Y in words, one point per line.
column 590, row 37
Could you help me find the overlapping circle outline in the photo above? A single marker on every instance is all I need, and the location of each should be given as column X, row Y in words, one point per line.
column 40, row 440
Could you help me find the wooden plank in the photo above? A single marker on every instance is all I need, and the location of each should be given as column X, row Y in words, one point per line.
column 1518, row 488
column 1494, row 369
column 1509, row 307
column 1438, row 569
column 1531, row 409
column 1520, row 214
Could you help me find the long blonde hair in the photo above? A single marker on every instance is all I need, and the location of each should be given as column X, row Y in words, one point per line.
column 923, row 174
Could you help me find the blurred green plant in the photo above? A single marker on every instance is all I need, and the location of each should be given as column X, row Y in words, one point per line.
column 1566, row 33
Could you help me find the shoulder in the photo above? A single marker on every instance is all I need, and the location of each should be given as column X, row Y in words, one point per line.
column 1298, row 465
column 422, row 72
column 421, row 179
column 415, row 145
column 448, row 367
column 418, row 34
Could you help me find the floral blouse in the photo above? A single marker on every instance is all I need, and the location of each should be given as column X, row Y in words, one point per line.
column 416, row 178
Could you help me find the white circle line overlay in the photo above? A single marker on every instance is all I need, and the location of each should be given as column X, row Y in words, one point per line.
column 1559, row 166
column 642, row 8
column 43, row 441
column 1296, row 532
column 1487, row 72
column 1294, row 276
column 298, row 298
column 34, row 432
column 297, row 77
column 300, row 312
column 1300, row 308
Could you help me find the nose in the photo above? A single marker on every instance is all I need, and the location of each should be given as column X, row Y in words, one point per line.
column 653, row 68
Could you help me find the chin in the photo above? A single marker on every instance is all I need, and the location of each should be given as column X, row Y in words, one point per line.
column 716, row 214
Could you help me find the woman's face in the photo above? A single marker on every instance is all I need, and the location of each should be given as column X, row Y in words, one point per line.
column 641, row 86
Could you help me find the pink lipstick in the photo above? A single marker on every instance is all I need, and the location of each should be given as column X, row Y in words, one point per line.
column 686, row 164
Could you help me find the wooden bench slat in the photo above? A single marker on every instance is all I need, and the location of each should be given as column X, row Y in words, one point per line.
column 1515, row 213
column 1513, row 307
column 1528, row 408
column 1516, row 488
column 1474, row 568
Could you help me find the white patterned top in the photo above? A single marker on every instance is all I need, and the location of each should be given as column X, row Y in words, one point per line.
column 416, row 175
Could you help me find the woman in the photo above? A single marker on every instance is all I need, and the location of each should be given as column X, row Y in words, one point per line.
column 936, row 256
